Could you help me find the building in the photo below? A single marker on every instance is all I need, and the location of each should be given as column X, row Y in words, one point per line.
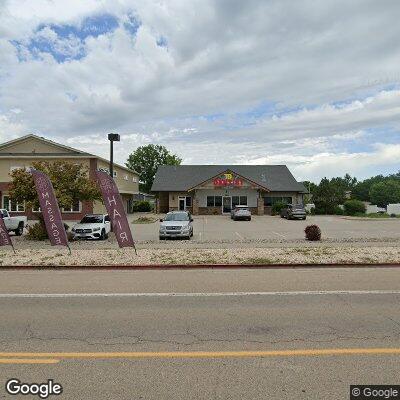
column 215, row 189
column 21, row 152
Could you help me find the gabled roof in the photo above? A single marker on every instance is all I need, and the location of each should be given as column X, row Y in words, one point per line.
column 64, row 151
column 277, row 178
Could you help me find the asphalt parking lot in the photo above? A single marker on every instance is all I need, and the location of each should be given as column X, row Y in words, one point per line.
column 222, row 228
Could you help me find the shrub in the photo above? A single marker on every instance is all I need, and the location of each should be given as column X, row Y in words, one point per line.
column 142, row 206
column 338, row 211
column 393, row 215
column 277, row 207
column 352, row 207
column 38, row 231
column 313, row 232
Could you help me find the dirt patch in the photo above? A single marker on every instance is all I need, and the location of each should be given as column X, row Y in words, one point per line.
column 92, row 257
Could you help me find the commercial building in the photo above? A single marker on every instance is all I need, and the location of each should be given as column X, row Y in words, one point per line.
column 216, row 189
column 21, row 152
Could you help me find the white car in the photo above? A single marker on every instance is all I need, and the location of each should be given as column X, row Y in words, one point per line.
column 16, row 224
column 92, row 226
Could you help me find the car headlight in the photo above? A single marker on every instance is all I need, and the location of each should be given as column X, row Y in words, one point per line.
column 185, row 228
column 163, row 228
column 96, row 229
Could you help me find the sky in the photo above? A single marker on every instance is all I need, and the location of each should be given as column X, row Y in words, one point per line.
column 311, row 84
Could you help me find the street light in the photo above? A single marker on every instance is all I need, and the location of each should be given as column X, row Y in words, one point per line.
column 112, row 137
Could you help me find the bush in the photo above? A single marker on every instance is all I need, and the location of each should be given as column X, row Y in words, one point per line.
column 38, row 231
column 142, row 206
column 313, row 232
column 352, row 207
column 277, row 208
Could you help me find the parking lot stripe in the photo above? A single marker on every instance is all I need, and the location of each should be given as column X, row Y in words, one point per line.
column 239, row 236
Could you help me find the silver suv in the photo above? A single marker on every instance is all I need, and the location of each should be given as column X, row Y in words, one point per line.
column 176, row 224
column 241, row 212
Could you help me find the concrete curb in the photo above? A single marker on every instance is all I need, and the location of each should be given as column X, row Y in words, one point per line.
column 196, row 266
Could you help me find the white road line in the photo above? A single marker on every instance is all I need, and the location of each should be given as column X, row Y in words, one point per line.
column 279, row 234
column 239, row 236
column 211, row 294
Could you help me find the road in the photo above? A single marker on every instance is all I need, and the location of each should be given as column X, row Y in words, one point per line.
column 206, row 334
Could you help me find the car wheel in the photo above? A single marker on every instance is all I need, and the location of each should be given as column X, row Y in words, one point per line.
column 249, row 219
column 20, row 230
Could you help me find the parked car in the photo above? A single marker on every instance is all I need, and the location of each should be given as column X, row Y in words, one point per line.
column 241, row 212
column 294, row 211
column 14, row 224
column 176, row 224
column 92, row 226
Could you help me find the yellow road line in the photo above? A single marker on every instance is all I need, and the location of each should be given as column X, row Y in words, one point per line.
column 208, row 354
column 27, row 361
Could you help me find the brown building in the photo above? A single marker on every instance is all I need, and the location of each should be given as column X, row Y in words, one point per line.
column 21, row 152
column 216, row 189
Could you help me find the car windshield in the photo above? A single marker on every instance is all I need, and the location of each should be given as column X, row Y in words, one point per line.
column 92, row 219
column 177, row 217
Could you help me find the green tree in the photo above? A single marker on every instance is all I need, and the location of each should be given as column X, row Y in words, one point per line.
column 385, row 192
column 146, row 160
column 328, row 195
column 70, row 182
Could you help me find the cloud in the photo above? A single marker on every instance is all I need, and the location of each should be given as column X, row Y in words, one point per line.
column 216, row 80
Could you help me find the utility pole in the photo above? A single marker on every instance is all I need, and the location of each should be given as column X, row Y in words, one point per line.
column 112, row 137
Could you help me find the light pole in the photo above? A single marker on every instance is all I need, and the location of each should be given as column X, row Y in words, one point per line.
column 112, row 137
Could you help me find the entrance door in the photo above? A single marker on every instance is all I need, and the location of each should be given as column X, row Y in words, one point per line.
column 226, row 204
column 182, row 204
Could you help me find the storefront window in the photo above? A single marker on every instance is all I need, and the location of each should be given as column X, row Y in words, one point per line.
column 188, row 202
column 210, row 201
column 218, row 201
column 214, row 201
column 235, row 201
column 270, row 201
column 243, row 200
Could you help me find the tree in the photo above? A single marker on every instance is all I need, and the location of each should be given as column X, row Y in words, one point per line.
column 328, row 195
column 70, row 182
column 386, row 192
column 146, row 160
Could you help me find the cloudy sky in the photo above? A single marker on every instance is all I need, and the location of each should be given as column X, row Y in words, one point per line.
column 311, row 84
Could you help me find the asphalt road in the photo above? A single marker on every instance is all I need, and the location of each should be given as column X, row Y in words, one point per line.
column 137, row 335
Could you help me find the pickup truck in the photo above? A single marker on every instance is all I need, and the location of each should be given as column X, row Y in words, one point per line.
column 16, row 224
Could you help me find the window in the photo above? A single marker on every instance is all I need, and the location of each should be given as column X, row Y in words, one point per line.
column 75, row 207
column 12, row 206
column 36, row 209
column 134, row 179
column 214, row 201
column 243, row 201
column 270, row 201
column 235, row 201
column 188, row 202
column 115, row 174
column 125, row 177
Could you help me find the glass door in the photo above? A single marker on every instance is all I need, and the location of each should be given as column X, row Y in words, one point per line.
column 226, row 204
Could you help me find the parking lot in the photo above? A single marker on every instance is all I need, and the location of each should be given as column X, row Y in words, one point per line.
column 266, row 228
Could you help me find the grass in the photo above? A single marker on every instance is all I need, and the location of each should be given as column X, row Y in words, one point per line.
column 144, row 220
column 375, row 216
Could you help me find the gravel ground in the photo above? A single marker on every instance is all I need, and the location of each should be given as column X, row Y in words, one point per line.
column 295, row 254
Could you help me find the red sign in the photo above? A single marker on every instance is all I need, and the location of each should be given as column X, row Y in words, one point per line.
column 50, row 210
column 228, row 181
column 115, row 209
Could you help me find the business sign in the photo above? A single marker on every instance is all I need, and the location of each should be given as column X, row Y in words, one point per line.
column 115, row 209
column 50, row 210
column 228, row 180
column 5, row 239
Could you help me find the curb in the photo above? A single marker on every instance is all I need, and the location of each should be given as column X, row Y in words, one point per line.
column 196, row 266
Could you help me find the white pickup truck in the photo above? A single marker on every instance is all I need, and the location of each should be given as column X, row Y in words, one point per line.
column 16, row 224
